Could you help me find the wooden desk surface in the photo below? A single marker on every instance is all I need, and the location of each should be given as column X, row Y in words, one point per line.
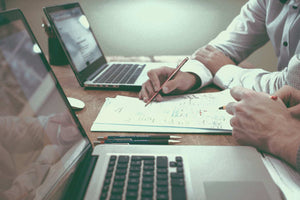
column 94, row 100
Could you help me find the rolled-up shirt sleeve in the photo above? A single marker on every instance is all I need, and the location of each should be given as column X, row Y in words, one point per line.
column 246, row 33
column 258, row 79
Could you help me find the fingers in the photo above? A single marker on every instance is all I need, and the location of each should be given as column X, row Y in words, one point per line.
column 230, row 108
column 154, row 77
column 152, row 85
column 147, row 92
column 295, row 111
column 289, row 95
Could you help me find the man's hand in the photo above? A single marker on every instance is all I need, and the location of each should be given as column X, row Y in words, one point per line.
column 182, row 82
column 212, row 58
column 264, row 123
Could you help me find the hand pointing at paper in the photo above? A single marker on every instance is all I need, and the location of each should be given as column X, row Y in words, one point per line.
column 270, row 125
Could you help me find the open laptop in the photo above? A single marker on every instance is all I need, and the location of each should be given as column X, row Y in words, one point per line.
column 85, row 56
column 46, row 154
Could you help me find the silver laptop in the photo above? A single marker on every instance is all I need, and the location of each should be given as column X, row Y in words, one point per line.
column 85, row 56
column 46, row 154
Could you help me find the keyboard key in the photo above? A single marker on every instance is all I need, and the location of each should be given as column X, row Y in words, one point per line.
column 147, row 193
column 162, row 170
column 162, row 183
column 173, row 164
column 148, row 179
column 131, row 194
column 134, row 175
column 162, row 189
column 162, row 162
column 178, row 159
column 148, row 173
column 148, row 167
column 179, row 169
column 149, row 162
column 148, row 157
column 176, row 175
column 147, row 186
column 178, row 193
column 123, row 159
column 162, row 196
column 133, row 181
column 162, row 176
column 115, row 197
column 117, row 190
column 134, row 187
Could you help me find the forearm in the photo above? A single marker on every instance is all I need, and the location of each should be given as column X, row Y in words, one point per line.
column 260, row 80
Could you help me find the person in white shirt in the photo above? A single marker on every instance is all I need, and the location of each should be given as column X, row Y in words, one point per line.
column 259, row 21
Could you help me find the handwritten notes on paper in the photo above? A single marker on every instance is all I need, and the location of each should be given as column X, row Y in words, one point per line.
column 183, row 112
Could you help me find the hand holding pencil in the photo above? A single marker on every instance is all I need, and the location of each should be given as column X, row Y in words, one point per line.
column 166, row 80
column 169, row 78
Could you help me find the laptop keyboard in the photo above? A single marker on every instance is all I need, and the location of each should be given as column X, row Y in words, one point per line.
column 144, row 177
column 121, row 73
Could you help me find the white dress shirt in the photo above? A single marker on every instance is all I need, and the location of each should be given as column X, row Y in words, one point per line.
column 258, row 22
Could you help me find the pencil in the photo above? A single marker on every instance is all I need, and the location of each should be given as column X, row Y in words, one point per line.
column 137, row 142
column 139, row 137
column 222, row 108
column 271, row 97
column 169, row 78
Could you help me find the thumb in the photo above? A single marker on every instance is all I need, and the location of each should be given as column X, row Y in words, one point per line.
column 238, row 92
column 170, row 86
column 295, row 111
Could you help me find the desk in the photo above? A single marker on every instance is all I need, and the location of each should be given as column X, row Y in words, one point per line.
column 94, row 99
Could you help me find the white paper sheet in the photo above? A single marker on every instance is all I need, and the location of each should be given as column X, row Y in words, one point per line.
column 286, row 178
column 183, row 113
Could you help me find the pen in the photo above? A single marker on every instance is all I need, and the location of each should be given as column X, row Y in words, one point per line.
column 169, row 78
column 139, row 137
column 137, row 142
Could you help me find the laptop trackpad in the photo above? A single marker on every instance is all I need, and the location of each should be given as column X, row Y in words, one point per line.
column 230, row 190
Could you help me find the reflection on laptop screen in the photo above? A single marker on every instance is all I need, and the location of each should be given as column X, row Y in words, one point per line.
column 39, row 138
column 74, row 30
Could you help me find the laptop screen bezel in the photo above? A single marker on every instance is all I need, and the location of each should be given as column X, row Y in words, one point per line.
column 9, row 16
column 84, row 74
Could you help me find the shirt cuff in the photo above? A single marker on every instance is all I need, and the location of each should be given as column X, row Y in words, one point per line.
column 200, row 70
column 225, row 76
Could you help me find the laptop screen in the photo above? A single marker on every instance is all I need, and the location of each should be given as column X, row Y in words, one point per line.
column 40, row 139
column 74, row 30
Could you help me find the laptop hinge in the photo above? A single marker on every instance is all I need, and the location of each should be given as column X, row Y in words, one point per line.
column 97, row 72
column 80, row 181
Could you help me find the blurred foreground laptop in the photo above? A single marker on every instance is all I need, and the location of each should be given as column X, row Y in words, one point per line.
column 46, row 154
column 85, row 55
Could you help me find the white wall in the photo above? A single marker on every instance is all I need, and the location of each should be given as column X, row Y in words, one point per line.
column 150, row 27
